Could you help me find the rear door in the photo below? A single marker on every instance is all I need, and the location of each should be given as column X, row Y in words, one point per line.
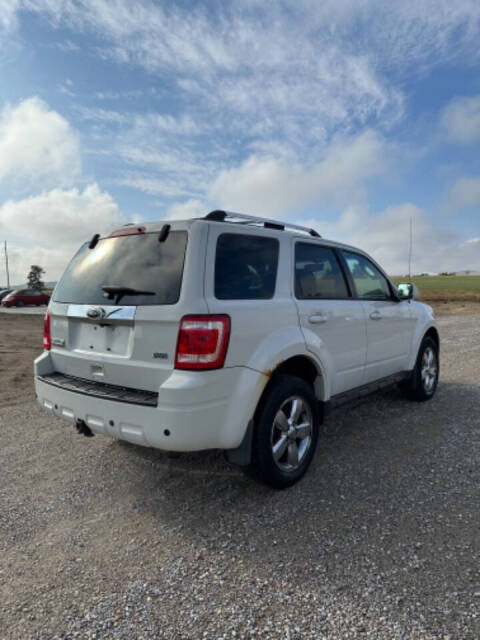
column 127, row 339
column 327, row 311
column 389, row 321
column 247, row 277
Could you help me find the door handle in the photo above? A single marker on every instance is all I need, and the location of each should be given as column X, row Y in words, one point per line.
column 318, row 318
column 376, row 315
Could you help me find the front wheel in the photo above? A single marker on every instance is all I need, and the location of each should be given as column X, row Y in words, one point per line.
column 424, row 379
column 286, row 433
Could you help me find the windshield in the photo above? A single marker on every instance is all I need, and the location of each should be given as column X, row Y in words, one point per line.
column 138, row 262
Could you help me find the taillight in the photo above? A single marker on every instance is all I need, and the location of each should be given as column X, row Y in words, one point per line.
column 202, row 342
column 47, row 339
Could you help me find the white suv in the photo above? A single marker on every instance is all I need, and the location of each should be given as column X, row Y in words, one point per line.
column 228, row 332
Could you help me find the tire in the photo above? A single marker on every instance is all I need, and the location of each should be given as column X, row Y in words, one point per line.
column 20, row 303
column 424, row 379
column 293, row 399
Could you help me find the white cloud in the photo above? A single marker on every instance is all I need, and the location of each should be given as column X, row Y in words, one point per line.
column 274, row 68
column 126, row 94
column 461, row 120
column 267, row 186
column 37, row 143
column 186, row 210
column 264, row 62
column 103, row 115
column 465, row 192
column 52, row 259
column 308, row 94
column 67, row 46
column 267, row 97
column 385, row 236
column 8, row 9
column 170, row 155
column 154, row 36
column 46, row 229
column 164, row 187
column 66, row 90
column 164, row 123
column 273, row 81
column 144, row 124
column 60, row 216
column 412, row 37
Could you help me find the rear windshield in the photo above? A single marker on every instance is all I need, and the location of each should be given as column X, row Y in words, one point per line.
column 245, row 267
column 138, row 262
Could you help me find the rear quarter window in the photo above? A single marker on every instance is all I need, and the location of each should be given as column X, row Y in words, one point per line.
column 245, row 267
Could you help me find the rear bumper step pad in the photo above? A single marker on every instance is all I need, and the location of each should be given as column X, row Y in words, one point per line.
column 101, row 389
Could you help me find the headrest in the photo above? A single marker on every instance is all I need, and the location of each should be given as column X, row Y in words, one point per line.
column 308, row 284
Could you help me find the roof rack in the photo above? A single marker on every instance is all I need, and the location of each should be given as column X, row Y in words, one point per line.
column 221, row 216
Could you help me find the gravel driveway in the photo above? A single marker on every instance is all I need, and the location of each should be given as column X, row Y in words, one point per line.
column 33, row 311
column 381, row 539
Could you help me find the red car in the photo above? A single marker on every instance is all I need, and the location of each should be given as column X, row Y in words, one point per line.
column 22, row 297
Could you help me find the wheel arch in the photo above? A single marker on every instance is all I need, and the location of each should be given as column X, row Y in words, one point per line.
column 299, row 366
column 304, row 367
column 432, row 333
column 422, row 332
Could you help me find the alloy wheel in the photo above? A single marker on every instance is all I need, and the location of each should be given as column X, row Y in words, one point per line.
column 291, row 435
column 429, row 369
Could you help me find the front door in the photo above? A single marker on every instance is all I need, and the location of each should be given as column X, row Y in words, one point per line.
column 389, row 321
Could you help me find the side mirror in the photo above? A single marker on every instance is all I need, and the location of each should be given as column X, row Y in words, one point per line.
column 408, row 291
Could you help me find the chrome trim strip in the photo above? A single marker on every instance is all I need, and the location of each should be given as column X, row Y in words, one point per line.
column 102, row 314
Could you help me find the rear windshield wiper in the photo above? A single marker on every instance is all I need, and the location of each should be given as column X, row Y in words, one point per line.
column 118, row 292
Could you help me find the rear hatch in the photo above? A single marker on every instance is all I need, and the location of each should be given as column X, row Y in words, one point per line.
column 115, row 313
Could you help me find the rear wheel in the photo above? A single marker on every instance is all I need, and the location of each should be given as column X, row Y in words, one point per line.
column 286, row 433
column 423, row 382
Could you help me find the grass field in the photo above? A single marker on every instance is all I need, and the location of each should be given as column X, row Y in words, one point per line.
column 446, row 288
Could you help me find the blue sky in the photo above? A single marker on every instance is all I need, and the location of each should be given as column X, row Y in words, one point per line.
column 351, row 116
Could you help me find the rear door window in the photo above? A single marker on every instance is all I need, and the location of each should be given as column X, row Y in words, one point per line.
column 245, row 267
column 138, row 262
column 318, row 274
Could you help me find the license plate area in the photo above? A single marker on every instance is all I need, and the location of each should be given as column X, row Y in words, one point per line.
column 109, row 339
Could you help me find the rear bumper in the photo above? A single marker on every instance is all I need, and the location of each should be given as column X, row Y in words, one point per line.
column 195, row 411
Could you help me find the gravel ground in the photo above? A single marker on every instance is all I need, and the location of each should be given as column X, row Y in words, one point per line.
column 29, row 311
column 380, row 540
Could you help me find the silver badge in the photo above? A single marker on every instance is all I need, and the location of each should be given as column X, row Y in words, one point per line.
column 96, row 312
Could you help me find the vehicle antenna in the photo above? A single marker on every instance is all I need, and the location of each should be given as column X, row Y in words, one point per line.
column 410, row 249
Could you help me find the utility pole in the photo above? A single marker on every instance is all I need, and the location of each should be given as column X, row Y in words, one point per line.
column 410, row 250
column 6, row 265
